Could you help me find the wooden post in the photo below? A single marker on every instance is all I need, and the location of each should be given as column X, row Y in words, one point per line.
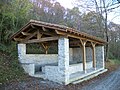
column 45, row 46
column 93, row 55
column 39, row 35
column 83, row 42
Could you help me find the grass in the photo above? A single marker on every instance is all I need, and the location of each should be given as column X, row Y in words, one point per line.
column 10, row 69
column 112, row 64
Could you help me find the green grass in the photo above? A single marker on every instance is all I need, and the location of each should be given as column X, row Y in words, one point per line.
column 115, row 61
column 10, row 69
column 112, row 64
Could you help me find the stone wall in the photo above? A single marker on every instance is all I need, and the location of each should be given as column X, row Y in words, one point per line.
column 56, row 66
column 100, row 56
column 79, row 67
column 77, row 54
column 32, row 62
column 53, row 73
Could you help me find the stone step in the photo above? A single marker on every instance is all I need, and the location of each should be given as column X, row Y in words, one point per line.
column 89, row 76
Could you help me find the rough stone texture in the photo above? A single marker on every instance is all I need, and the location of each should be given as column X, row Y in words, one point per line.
column 40, row 59
column 74, row 68
column 63, row 59
column 77, row 54
column 60, row 73
column 31, row 62
column 56, row 66
column 88, row 54
column 100, row 57
column 53, row 73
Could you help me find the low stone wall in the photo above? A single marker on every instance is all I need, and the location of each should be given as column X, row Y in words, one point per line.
column 79, row 67
column 53, row 73
column 40, row 59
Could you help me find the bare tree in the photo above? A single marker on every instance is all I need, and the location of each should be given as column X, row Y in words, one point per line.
column 102, row 7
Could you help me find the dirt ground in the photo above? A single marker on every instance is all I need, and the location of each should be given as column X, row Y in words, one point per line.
column 106, row 81
column 109, row 82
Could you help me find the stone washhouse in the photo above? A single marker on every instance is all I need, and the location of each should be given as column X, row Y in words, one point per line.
column 79, row 56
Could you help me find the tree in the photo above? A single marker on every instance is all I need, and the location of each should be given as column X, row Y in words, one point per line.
column 13, row 15
column 91, row 24
column 102, row 7
column 73, row 18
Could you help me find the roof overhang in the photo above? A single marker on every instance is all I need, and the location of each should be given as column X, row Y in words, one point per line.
column 38, row 32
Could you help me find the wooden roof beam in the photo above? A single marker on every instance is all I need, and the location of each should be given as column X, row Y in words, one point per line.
column 18, row 39
column 30, row 36
column 41, row 40
column 39, row 35
column 26, row 33
column 44, row 29
column 76, row 36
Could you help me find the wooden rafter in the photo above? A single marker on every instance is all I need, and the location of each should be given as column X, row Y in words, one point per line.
column 46, row 47
column 41, row 40
column 47, row 33
column 26, row 33
column 44, row 29
column 75, row 36
column 30, row 36
column 39, row 35
column 18, row 39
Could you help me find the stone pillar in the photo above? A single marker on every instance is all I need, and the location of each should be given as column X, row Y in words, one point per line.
column 21, row 51
column 63, row 59
column 93, row 55
column 103, row 59
column 32, row 69
column 100, row 57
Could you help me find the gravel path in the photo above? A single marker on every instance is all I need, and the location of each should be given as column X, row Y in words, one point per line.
column 110, row 81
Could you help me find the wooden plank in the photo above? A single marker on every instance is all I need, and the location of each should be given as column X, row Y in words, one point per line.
column 39, row 35
column 26, row 33
column 84, row 57
column 18, row 39
column 18, row 32
column 41, row 40
column 47, row 33
column 33, row 26
column 30, row 36
column 76, row 36
column 46, row 47
column 83, row 43
column 44, row 29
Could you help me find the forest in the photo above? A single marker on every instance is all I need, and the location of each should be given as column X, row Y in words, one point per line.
column 16, row 13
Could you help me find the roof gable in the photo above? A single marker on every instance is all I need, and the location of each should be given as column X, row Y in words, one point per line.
column 37, row 31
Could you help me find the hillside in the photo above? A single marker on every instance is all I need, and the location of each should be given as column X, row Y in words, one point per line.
column 10, row 68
